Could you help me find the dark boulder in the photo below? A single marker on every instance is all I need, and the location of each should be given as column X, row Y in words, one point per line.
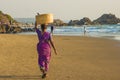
column 58, row 22
column 73, row 22
column 85, row 21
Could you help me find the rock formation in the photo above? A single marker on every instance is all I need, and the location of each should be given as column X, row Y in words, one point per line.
column 107, row 19
column 5, row 23
column 73, row 22
column 58, row 22
column 104, row 19
column 83, row 21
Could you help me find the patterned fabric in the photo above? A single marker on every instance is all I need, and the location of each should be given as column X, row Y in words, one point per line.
column 44, row 49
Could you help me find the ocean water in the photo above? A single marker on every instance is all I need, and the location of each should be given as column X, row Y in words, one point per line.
column 104, row 31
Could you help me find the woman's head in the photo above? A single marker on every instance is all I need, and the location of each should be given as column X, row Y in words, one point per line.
column 43, row 27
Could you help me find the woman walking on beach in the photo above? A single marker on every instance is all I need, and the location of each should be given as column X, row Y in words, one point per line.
column 44, row 48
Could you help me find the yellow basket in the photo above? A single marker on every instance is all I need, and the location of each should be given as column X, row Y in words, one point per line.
column 44, row 18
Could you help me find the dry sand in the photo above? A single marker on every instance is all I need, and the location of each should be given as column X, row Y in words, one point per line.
column 80, row 58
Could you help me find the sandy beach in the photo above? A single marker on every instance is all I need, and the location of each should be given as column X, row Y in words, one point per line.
column 79, row 58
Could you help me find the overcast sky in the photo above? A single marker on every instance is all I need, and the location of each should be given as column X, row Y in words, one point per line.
column 63, row 9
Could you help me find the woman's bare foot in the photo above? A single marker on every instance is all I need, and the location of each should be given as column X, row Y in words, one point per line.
column 44, row 75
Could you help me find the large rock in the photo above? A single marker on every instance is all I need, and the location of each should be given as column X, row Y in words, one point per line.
column 83, row 21
column 58, row 22
column 107, row 19
column 73, row 22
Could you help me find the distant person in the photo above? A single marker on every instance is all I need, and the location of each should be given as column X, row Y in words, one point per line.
column 85, row 25
column 44, row 48
column 52, row 28
column 85, row 30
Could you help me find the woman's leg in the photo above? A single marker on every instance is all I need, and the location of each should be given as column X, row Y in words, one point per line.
column 47, row 63
column 46, row 67
column 41, row 64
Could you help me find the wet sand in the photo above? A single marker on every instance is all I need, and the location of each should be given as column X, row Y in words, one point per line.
column 79, row 58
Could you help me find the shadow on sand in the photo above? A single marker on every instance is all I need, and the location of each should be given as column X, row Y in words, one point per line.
column 20, row 77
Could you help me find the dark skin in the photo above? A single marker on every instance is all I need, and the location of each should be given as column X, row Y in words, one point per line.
column 51, row 40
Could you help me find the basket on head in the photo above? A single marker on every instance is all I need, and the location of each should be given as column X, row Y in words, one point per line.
column 44, row 18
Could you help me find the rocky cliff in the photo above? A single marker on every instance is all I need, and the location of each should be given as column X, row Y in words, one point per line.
column 5, row 21
column 5, row 18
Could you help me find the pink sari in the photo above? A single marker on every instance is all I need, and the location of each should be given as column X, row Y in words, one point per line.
column 44, row 49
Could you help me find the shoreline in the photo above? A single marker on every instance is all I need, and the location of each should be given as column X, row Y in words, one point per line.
column 116, row 38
